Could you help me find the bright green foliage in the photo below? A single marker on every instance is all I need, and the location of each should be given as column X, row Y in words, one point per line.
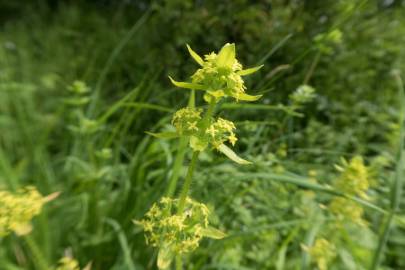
column 177, row 233
column 119, row 50
column 220, row 75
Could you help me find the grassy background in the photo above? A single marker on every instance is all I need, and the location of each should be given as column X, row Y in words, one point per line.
column 93, row 148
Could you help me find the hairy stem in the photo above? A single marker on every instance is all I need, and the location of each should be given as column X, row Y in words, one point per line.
column 178, row 162
column 193, row 163
column 187, row 181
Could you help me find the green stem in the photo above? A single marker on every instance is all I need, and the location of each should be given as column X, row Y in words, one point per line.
column 180, row 155
column 190, row 171
column 207, row 116
column 312, row 67
column 178, row 162
column 396, row 188
column 187, row 181
column 179, row 264
column 39, row 261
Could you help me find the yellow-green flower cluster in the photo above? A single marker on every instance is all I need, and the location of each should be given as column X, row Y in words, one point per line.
column 174, row 232
column 67, row 263
column 187, row 120
column 354, row 180
column 345, row 209
column 221, row 131
column 220, row 75
column 322, row 252
column 183, row 231
column 17, row 210
column 220, row 80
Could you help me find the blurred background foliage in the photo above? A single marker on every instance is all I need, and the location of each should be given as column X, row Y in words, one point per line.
column 87, row 139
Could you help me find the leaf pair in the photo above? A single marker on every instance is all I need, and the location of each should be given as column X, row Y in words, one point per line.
column 167, row 253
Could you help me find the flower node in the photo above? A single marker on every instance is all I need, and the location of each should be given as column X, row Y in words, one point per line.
column 186, row 120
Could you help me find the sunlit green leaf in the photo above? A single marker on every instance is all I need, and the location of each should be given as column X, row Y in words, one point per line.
column 226, row 56
column 246, row 97
column 213, row 233
column 232, row 155
column 196, row 57
column 249, row 71
column 217, row 94
column 165, row 256
column 186, row 85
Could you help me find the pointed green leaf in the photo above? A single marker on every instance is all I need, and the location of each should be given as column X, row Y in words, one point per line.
column 246, row 97
column 165, row 256
column 217, row 93
column 226, row 56
column 186, row 85
column 164, row 135
column 196, row 57
column 249, row 71
column 213, row 233
column 232, row 155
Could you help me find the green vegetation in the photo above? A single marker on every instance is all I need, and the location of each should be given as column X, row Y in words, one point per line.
column 85, row 91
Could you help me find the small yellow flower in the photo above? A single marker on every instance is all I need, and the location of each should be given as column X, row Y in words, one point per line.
column 186, row 120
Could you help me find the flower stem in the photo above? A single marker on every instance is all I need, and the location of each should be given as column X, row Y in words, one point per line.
column 38, row 257
column 181, row 151
column 187, row 182
column 178, row 162
column 207, row 116
column 179, row 264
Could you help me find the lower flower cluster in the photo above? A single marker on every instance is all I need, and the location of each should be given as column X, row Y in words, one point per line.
column 17, row 210
column 175, row 232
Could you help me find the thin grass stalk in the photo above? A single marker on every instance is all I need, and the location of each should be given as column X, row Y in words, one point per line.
column 112, row 59
column 38, row 258
column 396, row 188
